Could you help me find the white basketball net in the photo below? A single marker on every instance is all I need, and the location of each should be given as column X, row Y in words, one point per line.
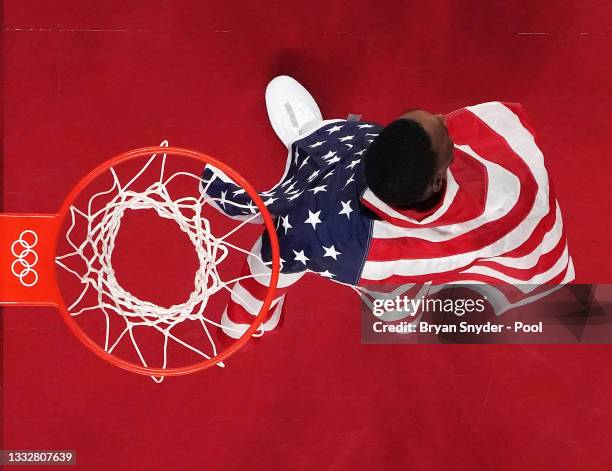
column 112, row 300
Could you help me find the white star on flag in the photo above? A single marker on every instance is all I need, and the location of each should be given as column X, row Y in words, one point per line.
column 345, row 138
column 334, row 129
column 238, row 192
column 351, row 179
column 365, row 126
column 317, row 189
column 317, row 144
column 328, row 174
column 223, row 195
column 313, row 219
column 286, row 182
column 289, row 189
column 352, row 164
column 331, row 252
column 326, row 274
column 328, row 155
column 313, row 175
column 303, row 162
column 291, row 198
column 300, row 257
column 360, row 152
column 285, row 223
column 333, row 161
column 346, row 208
column 270, row 200
column 350, row 146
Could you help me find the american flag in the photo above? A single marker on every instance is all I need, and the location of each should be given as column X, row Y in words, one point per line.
column 498, row 222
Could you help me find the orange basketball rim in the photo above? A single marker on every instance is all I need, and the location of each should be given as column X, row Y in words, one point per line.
column 28, row 269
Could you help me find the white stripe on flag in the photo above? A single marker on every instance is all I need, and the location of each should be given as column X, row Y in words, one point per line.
column 235, row 330
column 525, row 285
column 244, row 298
column 549, row 242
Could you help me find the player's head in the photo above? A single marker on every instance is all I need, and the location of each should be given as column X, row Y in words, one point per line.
column 406, row 164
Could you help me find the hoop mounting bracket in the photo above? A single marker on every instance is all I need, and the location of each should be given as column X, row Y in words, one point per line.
column 27, row 259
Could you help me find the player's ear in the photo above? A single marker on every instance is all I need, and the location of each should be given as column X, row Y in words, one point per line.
column 438, row 182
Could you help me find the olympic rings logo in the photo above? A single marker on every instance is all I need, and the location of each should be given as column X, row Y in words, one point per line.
column 26, row 258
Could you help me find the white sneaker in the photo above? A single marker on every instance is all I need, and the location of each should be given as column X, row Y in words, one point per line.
column 290, row 108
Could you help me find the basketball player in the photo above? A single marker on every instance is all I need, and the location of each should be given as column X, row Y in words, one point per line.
column 428, row 198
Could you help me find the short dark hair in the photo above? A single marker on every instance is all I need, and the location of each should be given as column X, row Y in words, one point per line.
column 400, row 163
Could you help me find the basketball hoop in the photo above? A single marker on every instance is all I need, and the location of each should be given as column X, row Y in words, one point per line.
column 37, row 250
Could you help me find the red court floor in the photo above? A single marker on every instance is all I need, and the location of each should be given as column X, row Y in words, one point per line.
column 85, row 80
